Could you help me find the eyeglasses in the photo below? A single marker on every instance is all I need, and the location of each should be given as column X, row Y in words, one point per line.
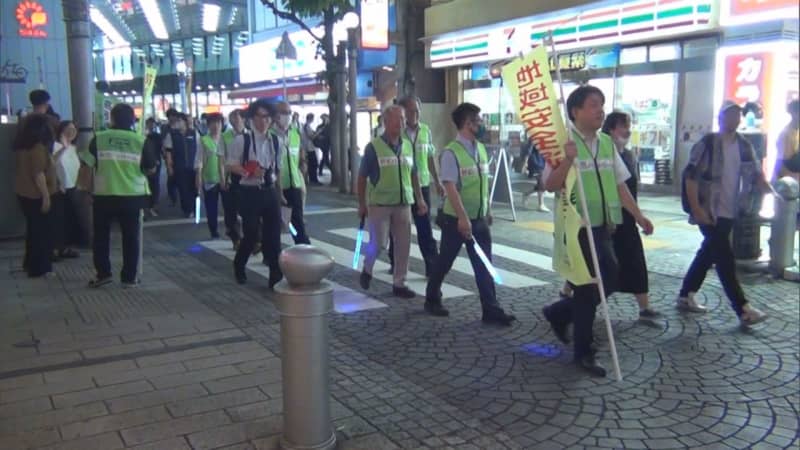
column 263, row 116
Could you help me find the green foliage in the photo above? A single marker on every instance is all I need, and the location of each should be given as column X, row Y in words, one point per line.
column 315, row 8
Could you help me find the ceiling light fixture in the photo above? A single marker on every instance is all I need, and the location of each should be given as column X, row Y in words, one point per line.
column 211, row 17
column 153, row 15
column 234, row 10
column 176, row 19
column 106, row 27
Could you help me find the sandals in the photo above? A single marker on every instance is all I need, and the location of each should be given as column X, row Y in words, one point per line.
column 100, row 281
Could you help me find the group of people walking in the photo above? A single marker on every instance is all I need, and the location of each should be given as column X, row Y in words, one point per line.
column 260, row 173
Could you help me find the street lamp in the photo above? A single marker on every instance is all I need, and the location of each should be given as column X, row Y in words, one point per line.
column 351, row 22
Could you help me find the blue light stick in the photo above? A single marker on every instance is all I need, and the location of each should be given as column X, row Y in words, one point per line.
column 292, row 230
column 197, row 209
column 486, row 262
column 359, row 239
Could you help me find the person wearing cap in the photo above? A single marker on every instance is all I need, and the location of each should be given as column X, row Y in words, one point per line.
column 421, row 139
column 255, row 157
column 208, row 165
column 181, row 150
column 721, row 180
column 292, row 168
column 387, row 187
column 604, row 174
column 121, row 165
column 466, row 217
column 788, row 158
column 230, row 182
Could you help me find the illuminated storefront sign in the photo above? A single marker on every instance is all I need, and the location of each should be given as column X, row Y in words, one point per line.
column 257, row 61
column 627, row 22
column 737, row 12
column 32, row 19
column 592, row 58
column 375, row 24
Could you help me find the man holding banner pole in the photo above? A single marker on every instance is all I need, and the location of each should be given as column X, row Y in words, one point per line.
column 464, row 171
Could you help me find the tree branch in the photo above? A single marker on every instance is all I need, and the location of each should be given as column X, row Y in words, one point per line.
column 290, row 16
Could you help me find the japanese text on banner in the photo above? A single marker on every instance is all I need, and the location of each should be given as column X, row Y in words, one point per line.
column 531, row 88
column 150, row 73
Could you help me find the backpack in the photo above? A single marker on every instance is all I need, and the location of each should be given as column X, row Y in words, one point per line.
column 708, row 144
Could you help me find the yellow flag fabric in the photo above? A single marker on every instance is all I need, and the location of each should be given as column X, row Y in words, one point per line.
column 531, row 88
column 150, row 73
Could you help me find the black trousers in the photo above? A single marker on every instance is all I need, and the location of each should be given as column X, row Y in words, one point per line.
column 452, row 241
column 230, row 206
column 211, row 199
column 58, row 223
column 294, row 197
column 172, row 188
column 581, row 308
column 126, row 211
column 427, row 244
column 154, row 182
column 326, row 159
column 38, row 237
column 187, row 189
column 260, row 208
column 716, row 249
column 313, row 166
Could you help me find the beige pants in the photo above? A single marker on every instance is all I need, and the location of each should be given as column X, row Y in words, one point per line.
column 381, row 220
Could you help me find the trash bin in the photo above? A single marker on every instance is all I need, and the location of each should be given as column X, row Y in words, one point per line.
column 747, row 237
column 304, row 301
column 784, row 225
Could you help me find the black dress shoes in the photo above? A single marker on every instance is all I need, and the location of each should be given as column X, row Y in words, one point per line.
column 560, row 330
column 403, row 292
column 364, row 280
column 435, row 308
column 240, row 275
column 498, row 317
column 590, row 365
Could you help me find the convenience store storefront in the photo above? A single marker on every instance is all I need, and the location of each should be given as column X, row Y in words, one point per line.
column 652, row 59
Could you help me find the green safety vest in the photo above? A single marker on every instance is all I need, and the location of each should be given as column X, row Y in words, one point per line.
column 473, row 181
column 118, row 170
column 394, row 182
column 211, row 160
column 599, row 181
column 228, row 136
column 422, row 147
column 291, row 177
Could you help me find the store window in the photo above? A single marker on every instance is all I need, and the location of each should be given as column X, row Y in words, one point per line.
column 700, row 47
column 651, row 101
column 633, row 55
column 665, row 52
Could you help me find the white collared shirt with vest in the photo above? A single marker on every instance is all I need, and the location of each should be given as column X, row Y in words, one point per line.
column 118, row 167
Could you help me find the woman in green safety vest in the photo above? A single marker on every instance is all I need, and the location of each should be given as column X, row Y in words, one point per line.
column 121, row 165
column 603, row 174
column 464, row 171
column 209, row 166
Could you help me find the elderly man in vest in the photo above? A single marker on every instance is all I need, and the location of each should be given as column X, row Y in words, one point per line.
column 292, row 167
column 603, row 173
column 419, row 134
column 464, row 165
column 387, row 187
column 120, row 193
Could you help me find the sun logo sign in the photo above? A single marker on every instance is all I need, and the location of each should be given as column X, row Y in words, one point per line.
column 32, row 19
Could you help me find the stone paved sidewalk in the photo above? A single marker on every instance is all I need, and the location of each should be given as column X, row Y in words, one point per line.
column 190, row 359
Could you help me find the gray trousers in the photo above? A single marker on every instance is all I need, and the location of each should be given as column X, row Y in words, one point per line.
column 380, row 221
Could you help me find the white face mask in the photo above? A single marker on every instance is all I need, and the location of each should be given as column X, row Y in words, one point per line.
column 283, row 120
column 622, row 142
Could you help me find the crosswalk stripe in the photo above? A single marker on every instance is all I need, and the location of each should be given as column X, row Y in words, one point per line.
column 345, row 300
column 313, row 211
column 415, row 281
column 463, row 265
column 523, row 256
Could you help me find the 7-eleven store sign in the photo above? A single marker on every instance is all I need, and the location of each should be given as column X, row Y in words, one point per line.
column 627, row 22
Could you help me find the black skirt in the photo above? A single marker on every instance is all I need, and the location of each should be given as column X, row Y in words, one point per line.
column 630, row 257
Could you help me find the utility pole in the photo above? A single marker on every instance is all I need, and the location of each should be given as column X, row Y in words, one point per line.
column 76, row 17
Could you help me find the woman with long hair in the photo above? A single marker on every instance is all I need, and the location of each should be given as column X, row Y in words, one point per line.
column 627, row 241
column 35, row 181
column 65, row 203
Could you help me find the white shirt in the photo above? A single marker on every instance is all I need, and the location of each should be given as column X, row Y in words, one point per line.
column 261, row 150
column 68, row 165
column 621, row 172
column 729, row 186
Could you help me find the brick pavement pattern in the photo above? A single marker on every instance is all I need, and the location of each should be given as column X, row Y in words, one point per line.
column 190, row 360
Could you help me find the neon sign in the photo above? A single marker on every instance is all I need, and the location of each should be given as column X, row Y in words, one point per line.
column 32, row 19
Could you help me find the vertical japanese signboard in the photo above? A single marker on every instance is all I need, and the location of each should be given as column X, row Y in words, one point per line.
column 150, row 73
column 748, row 78
column 531, row 88
column 375, row 24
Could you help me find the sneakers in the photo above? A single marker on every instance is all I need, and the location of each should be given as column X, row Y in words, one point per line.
column 751, row 316
column 648, row 313
column 130, row 284
column 689, row 304
column 100, row 281
column 543, row 208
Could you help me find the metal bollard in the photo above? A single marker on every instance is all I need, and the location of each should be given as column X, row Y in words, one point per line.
column 304, row 300
column 784, row 225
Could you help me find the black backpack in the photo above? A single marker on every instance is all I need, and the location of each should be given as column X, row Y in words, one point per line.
column 708, row 144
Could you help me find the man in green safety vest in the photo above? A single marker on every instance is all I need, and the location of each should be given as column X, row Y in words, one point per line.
column 603, row 174
column 230, row 181
column 292, row 167
column 387, row 187
column 209, row 164
column 421, row 139
column 121, row 165
column 464, row 171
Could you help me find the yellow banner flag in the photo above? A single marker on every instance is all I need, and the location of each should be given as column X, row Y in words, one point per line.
column 531, row 88
column 150, row 73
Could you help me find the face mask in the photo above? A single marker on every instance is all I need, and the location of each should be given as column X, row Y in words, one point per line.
column 622, row 142
column 284, row 120
column 481, row 132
